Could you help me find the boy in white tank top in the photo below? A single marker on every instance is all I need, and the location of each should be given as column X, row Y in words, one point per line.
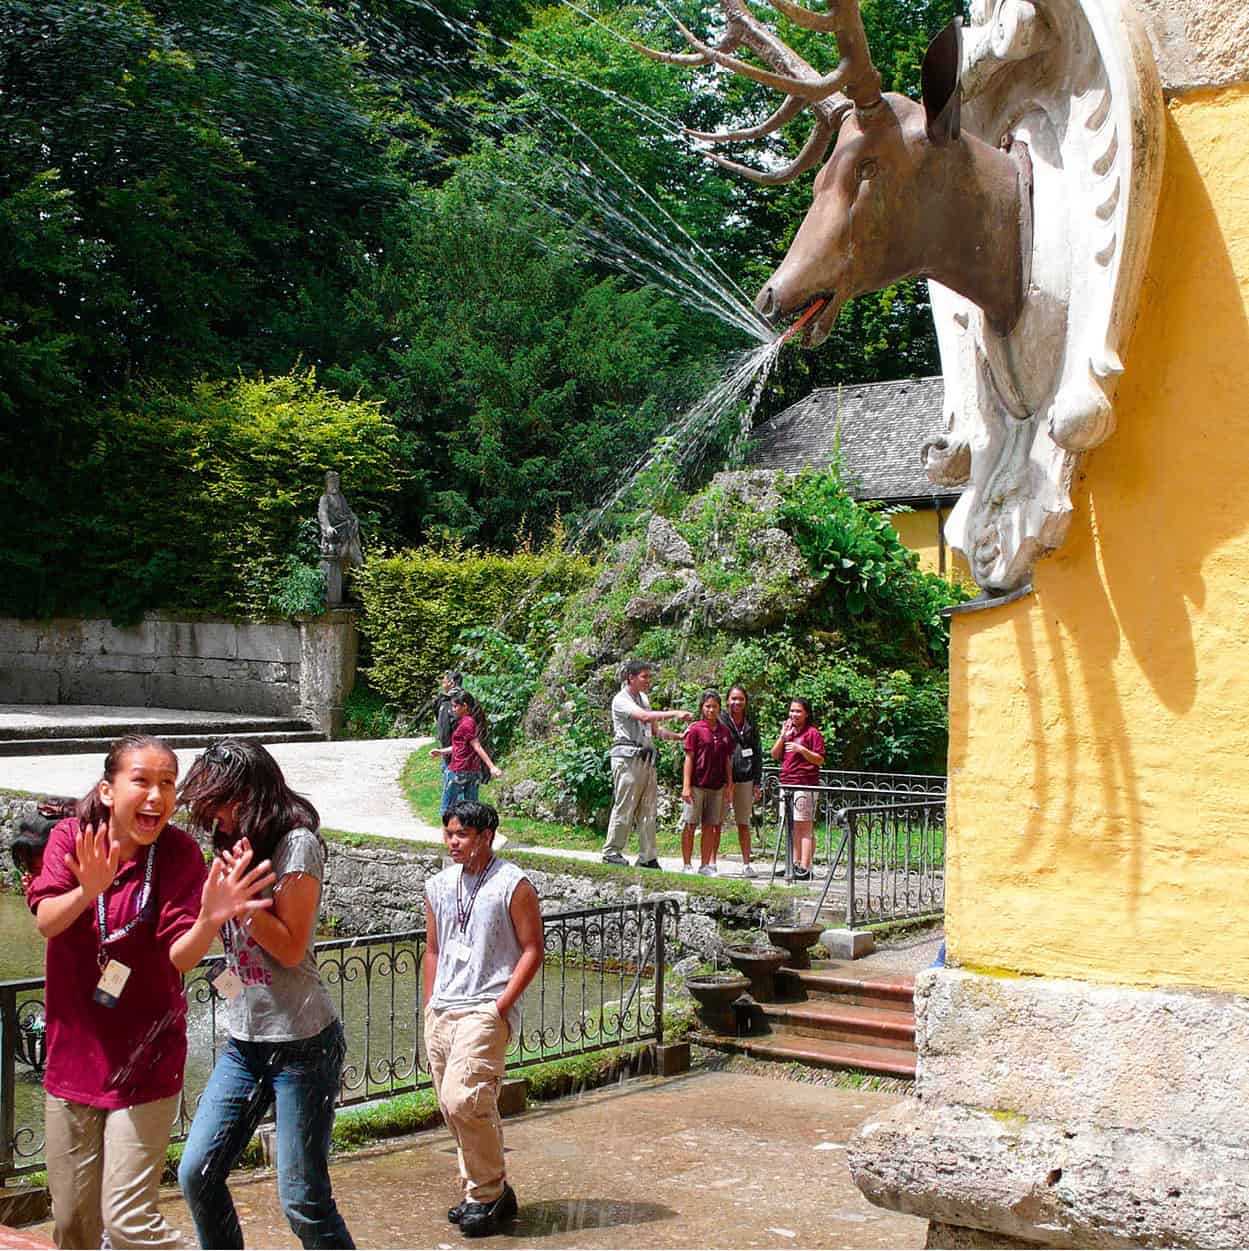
column 483, row 931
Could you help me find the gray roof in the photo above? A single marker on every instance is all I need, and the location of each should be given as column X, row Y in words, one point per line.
column 883, row 425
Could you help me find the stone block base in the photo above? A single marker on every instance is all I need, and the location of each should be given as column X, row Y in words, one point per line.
column 513, row 1096
column 1064, row 1114
column 848, row 944
column 23, row 1205
column 669, row 1060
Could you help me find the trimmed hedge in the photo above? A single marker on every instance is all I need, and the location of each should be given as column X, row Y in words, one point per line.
column 417, row 602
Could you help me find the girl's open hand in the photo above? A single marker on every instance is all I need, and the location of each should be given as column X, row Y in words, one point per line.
column 233, row 886
column 94, row 860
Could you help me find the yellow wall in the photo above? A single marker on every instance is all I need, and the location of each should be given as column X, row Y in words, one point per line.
column 1099, row 740
column 919, row 530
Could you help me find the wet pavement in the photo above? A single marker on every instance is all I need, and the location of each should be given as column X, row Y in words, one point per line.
column 703, row 1160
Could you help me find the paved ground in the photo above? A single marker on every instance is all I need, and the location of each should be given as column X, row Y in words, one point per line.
column 354, row 783
column 704, row 1160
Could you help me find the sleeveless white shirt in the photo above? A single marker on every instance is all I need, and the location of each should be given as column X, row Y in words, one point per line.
column 493, row 948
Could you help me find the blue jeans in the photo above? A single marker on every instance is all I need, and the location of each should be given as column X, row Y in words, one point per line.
column 302, row 1078
column 457, row 786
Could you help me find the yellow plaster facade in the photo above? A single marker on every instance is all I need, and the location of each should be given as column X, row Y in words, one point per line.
column 1099, row 736
column 920, row 531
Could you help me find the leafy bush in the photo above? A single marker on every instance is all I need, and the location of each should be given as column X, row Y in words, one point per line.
column 202, row 496
column 300, row 590
column 579, row 749
column 418, row 604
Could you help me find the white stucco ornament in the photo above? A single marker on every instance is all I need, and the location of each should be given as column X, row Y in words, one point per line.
column 1074, row 82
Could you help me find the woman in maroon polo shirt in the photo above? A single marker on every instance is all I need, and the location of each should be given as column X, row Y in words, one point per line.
column 800, row 749
column 708, row 767
column 127, row 906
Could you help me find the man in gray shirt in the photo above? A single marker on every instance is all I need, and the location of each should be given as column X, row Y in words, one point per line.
column 634, row 790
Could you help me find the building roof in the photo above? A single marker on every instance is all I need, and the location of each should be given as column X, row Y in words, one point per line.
column 883, row 426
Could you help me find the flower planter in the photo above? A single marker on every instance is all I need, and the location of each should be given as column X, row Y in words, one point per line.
column 715, row 993
column 760, row 963
column 796, row 939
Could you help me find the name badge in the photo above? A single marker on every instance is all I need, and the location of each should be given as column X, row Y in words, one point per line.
column 229, row 985
column 112, row 982
column 747, row 752
column 459, row 950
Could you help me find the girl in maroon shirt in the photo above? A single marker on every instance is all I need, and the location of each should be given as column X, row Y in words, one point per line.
column 127, row 906
column 800, row 748
column 708, row 768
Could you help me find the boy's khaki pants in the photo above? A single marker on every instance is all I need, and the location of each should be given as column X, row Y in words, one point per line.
column 104, row 1170
column 466, row 1048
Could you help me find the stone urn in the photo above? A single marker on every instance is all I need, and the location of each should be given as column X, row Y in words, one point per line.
column 759, row 962
column 715, row 993
column 796, row 939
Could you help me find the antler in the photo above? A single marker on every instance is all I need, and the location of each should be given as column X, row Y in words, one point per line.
column 789, row 73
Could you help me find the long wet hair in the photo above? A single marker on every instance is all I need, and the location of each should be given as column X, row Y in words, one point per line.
column 91, row 808
column 236, row 770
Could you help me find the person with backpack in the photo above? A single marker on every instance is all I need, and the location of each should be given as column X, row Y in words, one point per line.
column 745, row 787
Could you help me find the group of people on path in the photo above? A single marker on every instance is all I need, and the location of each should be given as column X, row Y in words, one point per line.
column 722, row 773
column 128, row 903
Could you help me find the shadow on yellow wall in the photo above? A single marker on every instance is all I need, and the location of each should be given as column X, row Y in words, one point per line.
column 1087, row 721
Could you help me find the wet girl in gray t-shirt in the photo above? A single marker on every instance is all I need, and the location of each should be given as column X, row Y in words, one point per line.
column 286, row 1042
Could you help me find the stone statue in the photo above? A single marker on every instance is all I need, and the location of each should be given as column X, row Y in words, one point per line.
column 1029, row 207
column 340, row 538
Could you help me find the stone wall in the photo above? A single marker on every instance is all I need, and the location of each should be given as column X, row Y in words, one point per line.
column 272, row 668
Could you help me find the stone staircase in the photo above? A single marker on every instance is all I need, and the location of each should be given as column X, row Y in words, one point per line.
column 96, row 735
column 829, row 1017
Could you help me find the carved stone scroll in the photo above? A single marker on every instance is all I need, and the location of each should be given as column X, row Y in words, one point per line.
column 1073, row 84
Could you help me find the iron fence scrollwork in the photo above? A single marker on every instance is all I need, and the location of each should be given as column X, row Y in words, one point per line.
column 600, row 986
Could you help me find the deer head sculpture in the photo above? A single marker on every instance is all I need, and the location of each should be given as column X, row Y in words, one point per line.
column 906, row 193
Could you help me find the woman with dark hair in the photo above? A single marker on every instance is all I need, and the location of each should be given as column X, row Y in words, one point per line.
column 800, row 748
column 127, row 907
column 466, row 758
column 746, row 784
column 286, row 1043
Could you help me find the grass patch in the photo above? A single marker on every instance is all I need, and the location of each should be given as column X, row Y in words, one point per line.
column 422, row 784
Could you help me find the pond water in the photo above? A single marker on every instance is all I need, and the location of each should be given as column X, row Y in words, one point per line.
column 571, row 1005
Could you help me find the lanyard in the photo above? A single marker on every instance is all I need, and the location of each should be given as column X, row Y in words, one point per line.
column 101, row 911
column 464, row 912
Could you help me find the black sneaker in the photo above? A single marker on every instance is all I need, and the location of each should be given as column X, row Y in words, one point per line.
column 455, row 1214
column 648, row 864
column 614, row 857
column 480, row 1220
column 801, row 874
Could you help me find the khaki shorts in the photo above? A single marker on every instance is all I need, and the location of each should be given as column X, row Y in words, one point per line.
column 743, row 801
column 704, row 809
column 804, row 805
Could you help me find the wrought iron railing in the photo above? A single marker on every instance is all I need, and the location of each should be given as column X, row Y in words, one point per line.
column 600, row 986
column 879, row 842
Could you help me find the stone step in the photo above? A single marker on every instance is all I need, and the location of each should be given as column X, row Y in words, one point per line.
column 816, row 1052
column 201, row 738
column 838, row 981
column 841, row 1022
column 147, row 721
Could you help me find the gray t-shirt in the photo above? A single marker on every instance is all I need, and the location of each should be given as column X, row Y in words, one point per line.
column 279, row 1004
column 481, row 975
column 630, row 734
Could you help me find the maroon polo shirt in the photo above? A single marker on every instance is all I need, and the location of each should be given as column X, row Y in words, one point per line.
column 797, row 770
column 712, row 748
column 135, row 1052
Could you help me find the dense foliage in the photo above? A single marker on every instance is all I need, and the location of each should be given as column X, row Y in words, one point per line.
column 200, row 497
column 419, row 604
column 478, row 215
